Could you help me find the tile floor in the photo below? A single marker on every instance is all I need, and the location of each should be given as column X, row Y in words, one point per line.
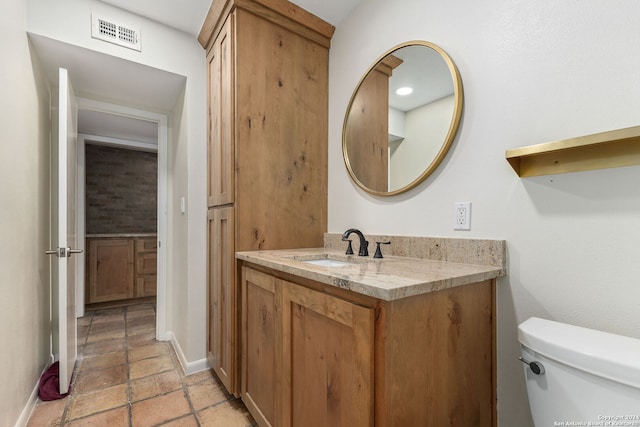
column 124, row 377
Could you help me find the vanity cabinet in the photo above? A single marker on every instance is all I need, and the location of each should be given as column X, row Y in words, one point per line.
column 267, row 147
column 307, row 356
column 120, row 268
column 318, row 355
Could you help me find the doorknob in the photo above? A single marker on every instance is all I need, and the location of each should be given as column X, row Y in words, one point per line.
column 63, row 252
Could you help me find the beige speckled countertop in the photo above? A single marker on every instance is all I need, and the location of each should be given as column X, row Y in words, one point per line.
column 390, row 278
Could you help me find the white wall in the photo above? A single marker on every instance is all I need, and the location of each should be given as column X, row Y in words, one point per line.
column 24, row 216
column 532, row 72
column 177, row 52
column 425, row 129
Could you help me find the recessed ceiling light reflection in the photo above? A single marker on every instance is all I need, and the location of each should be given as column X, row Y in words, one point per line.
column 403, row 91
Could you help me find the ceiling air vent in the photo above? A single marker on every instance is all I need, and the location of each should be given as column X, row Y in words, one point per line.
column 115, row 32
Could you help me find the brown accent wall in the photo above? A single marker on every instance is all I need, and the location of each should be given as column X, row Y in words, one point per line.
column 121, row 190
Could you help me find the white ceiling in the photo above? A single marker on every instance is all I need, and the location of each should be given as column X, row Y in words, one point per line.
column 188, row 15
column 424, row 70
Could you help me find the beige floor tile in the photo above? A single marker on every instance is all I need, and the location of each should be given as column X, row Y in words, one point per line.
column 206, row 375
column 160, row 409
column 142, row 339
column 188, row 421
column 228, row 414
column 155, row 385
column 97, row 328
column 108, row 311
column 85, row 320
column 98, row 401
column 206, row 393
column 100, row 361
column 146, row 367
column 47, row 414
column 142, row 320
column 95, row 379
column 109, row 334
column 103, row 347
column 138, row 307
column 141, row 330
column 114, row 418
column 154, row 349
column 140, row 313
column 118, row 317
column 83, row 331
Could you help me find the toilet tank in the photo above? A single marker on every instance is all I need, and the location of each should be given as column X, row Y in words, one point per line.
column 591, row 378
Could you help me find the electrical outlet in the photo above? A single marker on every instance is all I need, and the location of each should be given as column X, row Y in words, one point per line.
column 462, row 216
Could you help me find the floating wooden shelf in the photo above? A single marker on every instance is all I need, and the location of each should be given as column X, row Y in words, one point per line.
column 612, row 149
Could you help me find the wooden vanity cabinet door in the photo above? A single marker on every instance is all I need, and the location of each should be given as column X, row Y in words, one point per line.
column 221, row 313
column 111, row 270
column 261, row 346
column 328, row 355
column 221, row 118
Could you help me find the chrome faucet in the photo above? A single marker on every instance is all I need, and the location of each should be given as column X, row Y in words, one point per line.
column 364, row 244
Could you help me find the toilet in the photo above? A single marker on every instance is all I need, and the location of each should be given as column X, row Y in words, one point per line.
column 580, row 377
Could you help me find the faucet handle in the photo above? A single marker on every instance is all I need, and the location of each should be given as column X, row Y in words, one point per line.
column 349, row 248
column 364, row 250
column 378, row 253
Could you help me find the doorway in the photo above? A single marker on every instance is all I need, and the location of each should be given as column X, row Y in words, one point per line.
column 107, row 112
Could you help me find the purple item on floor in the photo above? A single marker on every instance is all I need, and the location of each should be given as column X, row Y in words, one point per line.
column 49, row 387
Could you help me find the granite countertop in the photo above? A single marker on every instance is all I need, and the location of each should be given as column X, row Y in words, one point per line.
column 388, row 279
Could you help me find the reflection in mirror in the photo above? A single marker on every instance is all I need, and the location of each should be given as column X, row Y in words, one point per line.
column 392, row 140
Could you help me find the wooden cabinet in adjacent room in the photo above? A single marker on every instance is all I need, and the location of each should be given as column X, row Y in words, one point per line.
column 120, row 268
column 111, row 269
column 267, row 147
column 146, row 267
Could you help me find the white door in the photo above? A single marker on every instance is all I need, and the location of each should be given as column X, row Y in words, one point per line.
column 63, row 225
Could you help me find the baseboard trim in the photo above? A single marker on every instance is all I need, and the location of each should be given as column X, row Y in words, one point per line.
column 188, row 367
column 30, row 406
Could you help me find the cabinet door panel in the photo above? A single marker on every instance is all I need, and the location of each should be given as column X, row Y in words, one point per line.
column 146, row 245
column 221, row 137
column 261, row 341
column 146, row 263
column 111, row 270
column 221, row 293
column 146, row 286
column 328, row 363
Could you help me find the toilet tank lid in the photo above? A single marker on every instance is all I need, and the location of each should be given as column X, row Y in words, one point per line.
column 600, row 353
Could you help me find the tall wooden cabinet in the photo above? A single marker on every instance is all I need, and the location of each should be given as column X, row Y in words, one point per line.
column 367, row 127
column 268, row 108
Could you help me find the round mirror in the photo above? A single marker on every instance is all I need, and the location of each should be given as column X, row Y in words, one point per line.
column 402, row 118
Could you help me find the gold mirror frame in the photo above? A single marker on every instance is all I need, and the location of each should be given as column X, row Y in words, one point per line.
column 453, row 126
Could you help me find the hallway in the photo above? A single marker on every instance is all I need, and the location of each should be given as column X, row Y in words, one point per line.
column 124, row 377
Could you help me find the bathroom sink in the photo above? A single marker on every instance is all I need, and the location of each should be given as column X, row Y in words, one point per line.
column 325, row 262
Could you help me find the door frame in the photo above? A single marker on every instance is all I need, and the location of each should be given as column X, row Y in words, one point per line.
column 163, row 188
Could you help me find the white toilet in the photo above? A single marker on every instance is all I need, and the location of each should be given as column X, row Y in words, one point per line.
column 585, row 377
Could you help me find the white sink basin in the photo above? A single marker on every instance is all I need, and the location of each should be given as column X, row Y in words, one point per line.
column 327, row 262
